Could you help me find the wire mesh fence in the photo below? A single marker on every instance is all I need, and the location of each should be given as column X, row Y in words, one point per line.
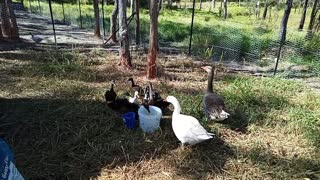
column 247, row 35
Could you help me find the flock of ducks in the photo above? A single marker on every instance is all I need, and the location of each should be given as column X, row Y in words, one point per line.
column 186, row 128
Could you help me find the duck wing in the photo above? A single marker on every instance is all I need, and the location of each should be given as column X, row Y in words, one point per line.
column 189, row 130
column 213, row 105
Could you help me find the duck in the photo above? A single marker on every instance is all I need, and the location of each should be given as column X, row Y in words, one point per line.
column 134, row 99
column 122, row 106
column 36, row 38
column 213, row 104
column 187, row 128
column 135, row 87
column 155, row 98
column 145, row 101
column 110, row 95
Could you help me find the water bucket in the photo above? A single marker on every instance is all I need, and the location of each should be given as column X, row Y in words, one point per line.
column 8, row 170
column 129, row 120
column 149, row 122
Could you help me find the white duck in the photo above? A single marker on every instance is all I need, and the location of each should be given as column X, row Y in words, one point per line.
column 187, row 128
column 134, row 99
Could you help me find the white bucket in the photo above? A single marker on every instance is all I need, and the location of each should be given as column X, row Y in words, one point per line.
column 149, row 122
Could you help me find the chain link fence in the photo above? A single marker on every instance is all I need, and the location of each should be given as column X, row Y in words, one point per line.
column 244, row 37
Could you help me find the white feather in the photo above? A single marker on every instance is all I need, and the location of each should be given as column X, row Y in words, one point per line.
column 187, row 128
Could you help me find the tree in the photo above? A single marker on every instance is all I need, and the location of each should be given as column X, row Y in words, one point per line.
column 113, row 21
column 258, row 10
column 264, row 15
column 200, row 5
column 213, row 5
column 225, row 3
column 97, row 18
column 313, row 17
column 153, row 40
column 303, row 16
column 8, row 24
column 132, row 5
column 137, row 9
column 284, row 22
column 125, row 58
column 220, row 8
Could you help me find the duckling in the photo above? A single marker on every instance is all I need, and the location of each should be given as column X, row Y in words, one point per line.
column 110, row 95
column 134, row 99
column 187, row 128
column 136, row 87
column 213, row 104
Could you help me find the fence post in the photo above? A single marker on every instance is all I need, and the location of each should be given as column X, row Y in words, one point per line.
column 191, row 30
column 30, row 5
column 103, row 25
column 64, row 16
column 278, row 57
column 53, row 28
column 80, row 13
column 39, row 6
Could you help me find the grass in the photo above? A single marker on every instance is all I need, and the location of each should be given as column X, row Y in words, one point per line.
column 59, row 128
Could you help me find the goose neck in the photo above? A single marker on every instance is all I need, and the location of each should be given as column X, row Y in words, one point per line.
column 177, row 108
column 210, row 80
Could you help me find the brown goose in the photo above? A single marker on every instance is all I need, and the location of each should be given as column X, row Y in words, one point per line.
column 213, row 104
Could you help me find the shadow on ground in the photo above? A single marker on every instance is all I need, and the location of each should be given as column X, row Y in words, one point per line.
column 66, row 138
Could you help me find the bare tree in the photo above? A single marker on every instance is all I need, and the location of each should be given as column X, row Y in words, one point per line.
column 132, row 5
column 225, row 3
column 266, row 4
column 153, row 40
column 220, row 8
column 113, row 21
column 8, row 23
column 314, row 11
column 303, row 16
column 97, row 18
column 137, row 11
column 125, row 58
column 213, row 4
column 258, row 10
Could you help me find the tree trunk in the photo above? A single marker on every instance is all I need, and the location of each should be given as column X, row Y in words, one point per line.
column 185, row 6
column 200, row 5
column 239, row 3
column 113, row 21
column 160, row 5
column 303, row 16
column 312, row 18
column 265, row 10
column 270, row 12
column 137, row 10
column 125, row 59
column 97, row 18
column 220, row 9
column 169, row 3
column 8, row 23
column 132, row 5
column 284, row 22
column 225, row 9
column 258, row 10
column 213, row 4
column 153, row 40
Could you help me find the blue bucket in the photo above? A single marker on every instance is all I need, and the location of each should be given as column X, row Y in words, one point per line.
column 130, row 120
